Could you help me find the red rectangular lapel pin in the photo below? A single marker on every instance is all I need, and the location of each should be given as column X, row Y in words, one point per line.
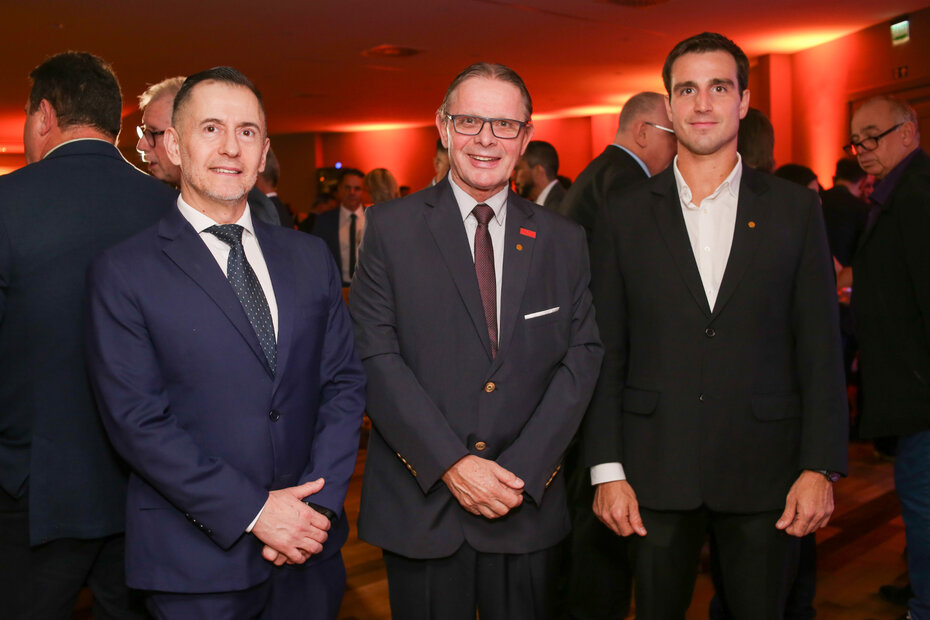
column 528, row 233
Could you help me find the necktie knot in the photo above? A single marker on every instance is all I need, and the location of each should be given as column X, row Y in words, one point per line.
column 230, row 234
column 483, row 213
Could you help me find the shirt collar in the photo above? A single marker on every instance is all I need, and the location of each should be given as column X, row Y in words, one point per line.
column 201, row 221
column 541, row 199
column 466, row 203
column 635, row 158
column 730, row 184
column 885, row 187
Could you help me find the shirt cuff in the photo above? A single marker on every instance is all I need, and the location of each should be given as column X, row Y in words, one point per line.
column 254, row 521
column 607, row 472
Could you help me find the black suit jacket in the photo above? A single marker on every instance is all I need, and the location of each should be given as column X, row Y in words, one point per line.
column 554, row 199
column 844, row 216
column 722, row 408
column 55, row 215
column 891, row 301
column 588, row 192
column 435, row 393
column 284, row 213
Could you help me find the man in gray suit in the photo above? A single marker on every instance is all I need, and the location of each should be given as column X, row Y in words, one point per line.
column 475, row 326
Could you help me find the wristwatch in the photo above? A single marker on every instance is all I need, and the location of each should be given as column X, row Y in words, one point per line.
column 326, row 512
column 832, row 476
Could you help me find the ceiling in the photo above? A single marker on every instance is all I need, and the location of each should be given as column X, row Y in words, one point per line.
column 577, row 56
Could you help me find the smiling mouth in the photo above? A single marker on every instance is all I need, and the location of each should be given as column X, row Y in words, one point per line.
column 226, row 171
column 484, row 158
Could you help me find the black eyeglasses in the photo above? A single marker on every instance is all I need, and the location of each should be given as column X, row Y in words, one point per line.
column 504, row 128
column 144, row 132
column 671, row 131
column 867, row 144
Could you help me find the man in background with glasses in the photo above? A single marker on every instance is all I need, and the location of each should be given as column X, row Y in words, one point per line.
column 644, row 146
column 474, row 323
column 156, row 104
column 62, row 487
column 891, row 299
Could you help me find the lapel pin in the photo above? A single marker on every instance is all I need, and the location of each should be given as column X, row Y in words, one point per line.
column 528, row 233
column 752, row 224
column 519, row 247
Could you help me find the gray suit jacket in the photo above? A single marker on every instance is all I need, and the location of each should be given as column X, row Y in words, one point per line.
column 435, row 393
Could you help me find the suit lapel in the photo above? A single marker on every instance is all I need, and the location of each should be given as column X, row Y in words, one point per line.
column 672, row 227
column 284, row 282
column 444, row 221
column 519, row 241
column 187, row 250
column 750, row 226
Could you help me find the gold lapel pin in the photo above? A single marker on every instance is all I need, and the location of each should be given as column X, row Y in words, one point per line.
column 752, row 224
column 519, row 247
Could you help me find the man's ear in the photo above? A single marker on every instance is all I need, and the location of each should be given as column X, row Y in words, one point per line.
column 48, row 118
column 172, row 146
column 443, row 136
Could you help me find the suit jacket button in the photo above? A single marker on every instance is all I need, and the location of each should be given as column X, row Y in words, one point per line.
column 489, row 387
column 709, row 332
column 480, row 445
column 275, row 415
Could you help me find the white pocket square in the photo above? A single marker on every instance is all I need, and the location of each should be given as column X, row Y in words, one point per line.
column 533, row 315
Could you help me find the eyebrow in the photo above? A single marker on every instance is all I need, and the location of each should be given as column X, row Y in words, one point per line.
column 711, row 82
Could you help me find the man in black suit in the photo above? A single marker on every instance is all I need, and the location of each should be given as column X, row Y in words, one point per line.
column 156, row 103
column 721, row 402
column 535, row 177
column 891, row 301
column 476, row 329
column 342, row 228
column 62, row 487
column 845, row 210
column 644, row 146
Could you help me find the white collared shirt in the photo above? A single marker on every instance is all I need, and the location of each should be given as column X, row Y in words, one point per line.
column 710, row 229
column 220, row 251
column 498, row 204
column 345, row 220
column 541, row 199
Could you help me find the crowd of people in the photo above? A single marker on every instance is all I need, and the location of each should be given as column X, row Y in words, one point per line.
column 571, row 386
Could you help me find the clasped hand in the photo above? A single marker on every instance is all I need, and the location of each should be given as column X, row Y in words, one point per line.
column 291, row 530
column 483, row 487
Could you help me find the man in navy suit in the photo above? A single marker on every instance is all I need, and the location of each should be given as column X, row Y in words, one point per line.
column 229, row 384
column 476, row 328
column 342, row 228
column 62, row 488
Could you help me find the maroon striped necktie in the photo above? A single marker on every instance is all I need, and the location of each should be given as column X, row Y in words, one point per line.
column 484, row 268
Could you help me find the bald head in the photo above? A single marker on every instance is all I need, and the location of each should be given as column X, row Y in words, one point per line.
column 643, row 131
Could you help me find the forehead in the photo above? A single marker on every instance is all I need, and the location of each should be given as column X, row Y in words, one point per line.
column 224, row 102
column 700, row 67
column 350, row 180
column 158, row 112
column 488, row 97
column 872, row 117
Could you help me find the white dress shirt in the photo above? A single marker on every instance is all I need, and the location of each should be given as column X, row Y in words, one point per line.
column 710, row 229
column 498, row 204
column 345, row 221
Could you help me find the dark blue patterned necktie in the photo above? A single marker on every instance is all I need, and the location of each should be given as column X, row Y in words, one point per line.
column 245, row 283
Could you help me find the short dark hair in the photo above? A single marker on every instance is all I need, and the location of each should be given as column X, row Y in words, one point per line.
column 350, row 172
column 796, row 173
column 756, row 141
column 82, row 89
column 848, row 169
column 702, row 43
column 540, row 153
column 226, row 75
column 490, row 71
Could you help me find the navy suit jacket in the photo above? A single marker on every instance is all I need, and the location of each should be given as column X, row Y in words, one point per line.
column 435, row 392
column 189, row 401
column 55, row 215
